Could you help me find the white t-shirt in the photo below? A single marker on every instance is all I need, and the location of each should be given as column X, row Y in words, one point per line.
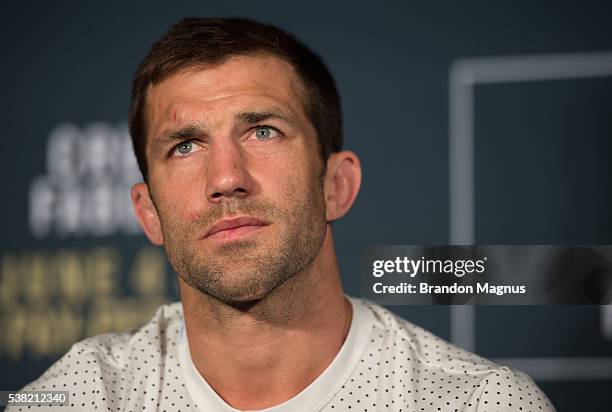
column 385, row 364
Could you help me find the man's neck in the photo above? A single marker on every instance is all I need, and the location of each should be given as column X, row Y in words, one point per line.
column 262, row 356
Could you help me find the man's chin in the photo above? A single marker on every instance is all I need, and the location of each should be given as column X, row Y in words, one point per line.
column 236, row 249
column 243, row 292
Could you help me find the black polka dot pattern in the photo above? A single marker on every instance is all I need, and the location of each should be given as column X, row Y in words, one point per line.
column 401, row 368
column 405, row 368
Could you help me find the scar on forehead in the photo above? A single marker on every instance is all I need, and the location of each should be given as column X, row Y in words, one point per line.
column 174, row 115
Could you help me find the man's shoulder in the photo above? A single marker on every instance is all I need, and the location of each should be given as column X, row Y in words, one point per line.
column 423, row 345
column 408, row 356
column 118, row 349
column 109, row 357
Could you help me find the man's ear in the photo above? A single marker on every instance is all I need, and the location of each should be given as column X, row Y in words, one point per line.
column 342, row 181
column 147, row 213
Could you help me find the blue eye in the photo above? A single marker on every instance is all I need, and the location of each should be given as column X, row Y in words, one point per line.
column 264, row 133
column 184, row 148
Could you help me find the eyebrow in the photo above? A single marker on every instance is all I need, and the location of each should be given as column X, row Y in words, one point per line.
column 256, row 117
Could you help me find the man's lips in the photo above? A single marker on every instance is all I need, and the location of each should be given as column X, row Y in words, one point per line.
column 236, row 226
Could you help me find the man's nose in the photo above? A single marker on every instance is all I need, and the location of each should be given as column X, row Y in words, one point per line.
column 227, row 174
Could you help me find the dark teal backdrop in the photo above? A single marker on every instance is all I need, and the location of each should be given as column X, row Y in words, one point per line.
column 542, row 163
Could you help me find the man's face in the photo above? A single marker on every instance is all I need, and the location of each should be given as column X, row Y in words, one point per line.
column 235, row 176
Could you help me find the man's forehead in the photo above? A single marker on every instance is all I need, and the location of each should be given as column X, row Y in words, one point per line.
column 259, row 73
column 267, row 79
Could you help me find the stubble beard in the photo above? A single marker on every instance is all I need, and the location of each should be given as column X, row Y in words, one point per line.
column 241, row 273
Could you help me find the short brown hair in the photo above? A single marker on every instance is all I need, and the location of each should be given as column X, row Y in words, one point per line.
column 193, row 42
